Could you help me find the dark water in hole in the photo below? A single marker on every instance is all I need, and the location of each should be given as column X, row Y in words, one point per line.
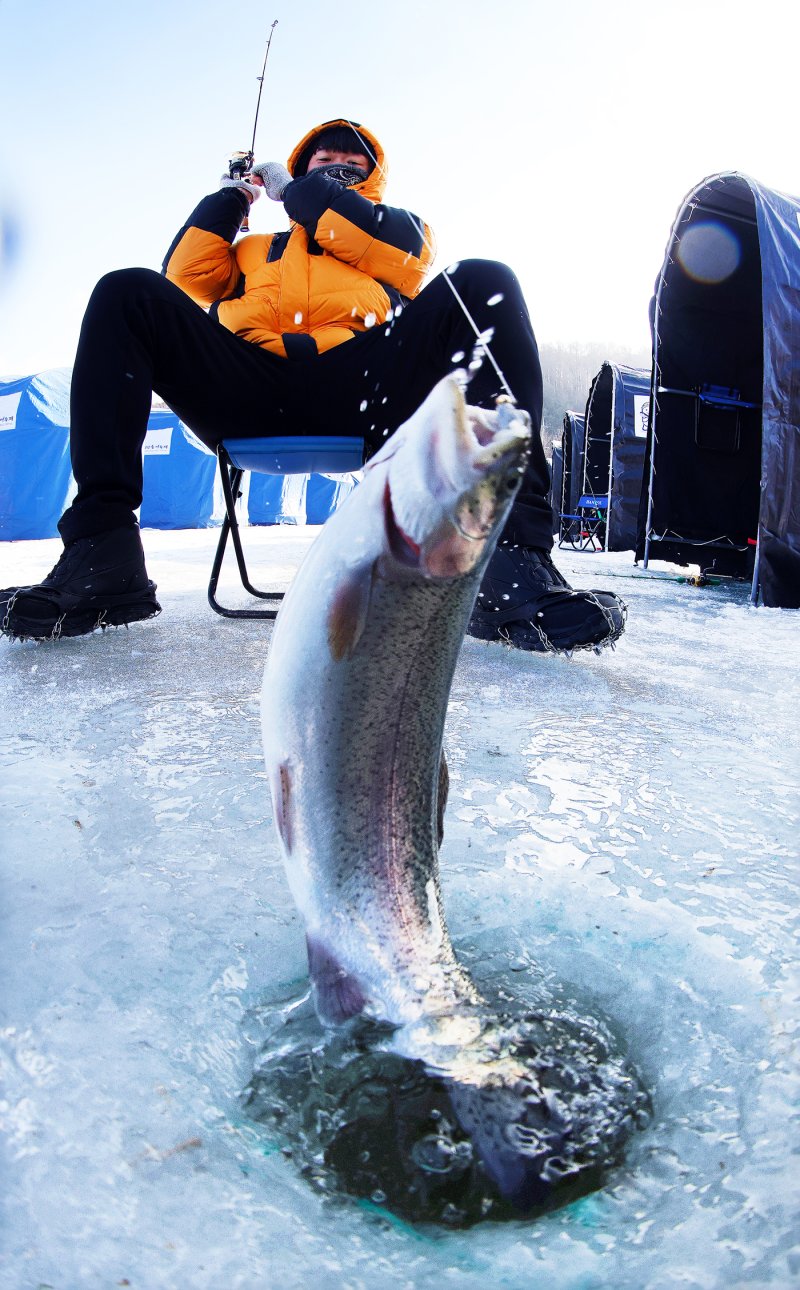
column 533, row 1113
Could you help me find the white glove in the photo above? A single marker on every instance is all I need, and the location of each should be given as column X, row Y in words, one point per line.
column 275, row 178
column 253, row 190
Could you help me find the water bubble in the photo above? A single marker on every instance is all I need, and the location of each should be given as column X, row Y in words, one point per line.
column 495, row 300
column 437, row 1154
column 458, row 357
column 363, row 405
column 370, row 320
column 298, row 317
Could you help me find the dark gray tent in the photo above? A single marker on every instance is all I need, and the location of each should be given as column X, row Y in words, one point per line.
column 572, row 437
column 723, row 448
column 616, row 436
column 556, row 483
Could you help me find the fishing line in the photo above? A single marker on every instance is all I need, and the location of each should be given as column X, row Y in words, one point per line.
column 480, row 339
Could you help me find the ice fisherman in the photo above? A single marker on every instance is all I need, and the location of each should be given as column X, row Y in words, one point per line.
column 321, row 329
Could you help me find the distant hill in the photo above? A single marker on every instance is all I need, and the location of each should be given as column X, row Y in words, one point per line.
column 569, row 370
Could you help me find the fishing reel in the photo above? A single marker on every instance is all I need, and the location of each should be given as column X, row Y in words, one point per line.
column 240, row 165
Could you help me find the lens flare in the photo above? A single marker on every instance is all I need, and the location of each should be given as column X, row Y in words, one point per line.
column 709, row 252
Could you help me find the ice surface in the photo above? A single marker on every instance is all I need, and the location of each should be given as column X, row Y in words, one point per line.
column 621, row 835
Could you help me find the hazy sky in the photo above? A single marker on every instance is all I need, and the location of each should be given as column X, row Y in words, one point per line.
column 559, row 136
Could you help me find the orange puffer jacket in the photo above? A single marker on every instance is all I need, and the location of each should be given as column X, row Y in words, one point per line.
column 346, row 262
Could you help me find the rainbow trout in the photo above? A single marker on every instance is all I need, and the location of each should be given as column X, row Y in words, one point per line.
column 353, row 709
column 354, row 703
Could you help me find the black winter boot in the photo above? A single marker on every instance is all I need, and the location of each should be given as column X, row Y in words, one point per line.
column 526, row 602
column 99, row 581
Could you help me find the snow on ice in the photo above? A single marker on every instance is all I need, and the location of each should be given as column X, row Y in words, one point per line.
column 621, row 833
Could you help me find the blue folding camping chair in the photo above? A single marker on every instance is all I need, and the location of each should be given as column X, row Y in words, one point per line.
column 274, row 455
column 585, row 529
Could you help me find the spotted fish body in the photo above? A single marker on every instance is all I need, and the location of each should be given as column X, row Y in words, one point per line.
column 354, row 702
column 534, row 1107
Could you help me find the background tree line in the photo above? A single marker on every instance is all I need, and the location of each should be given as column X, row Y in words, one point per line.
column 568, row 371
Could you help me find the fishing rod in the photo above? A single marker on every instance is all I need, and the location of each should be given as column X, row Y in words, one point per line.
column 241, row 162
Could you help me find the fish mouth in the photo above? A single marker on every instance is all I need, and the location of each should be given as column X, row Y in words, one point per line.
column 502, row 465
column 449, row 482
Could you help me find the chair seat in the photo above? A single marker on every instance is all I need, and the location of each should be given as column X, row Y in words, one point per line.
column 272, row 455
column 304, row 455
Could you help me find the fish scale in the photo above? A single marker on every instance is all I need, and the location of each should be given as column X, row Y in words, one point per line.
column 354, row 703
column 355, row 698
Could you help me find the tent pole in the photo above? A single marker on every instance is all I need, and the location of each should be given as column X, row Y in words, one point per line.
column 755, row 588
column 654, row 384
column 614, row 378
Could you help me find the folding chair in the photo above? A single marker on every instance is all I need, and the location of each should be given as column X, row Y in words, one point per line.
column 585, row 530
column 718, row 418
column 274, row 455
column 593, row 512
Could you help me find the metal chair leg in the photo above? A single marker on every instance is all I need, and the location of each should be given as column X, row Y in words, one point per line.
column 231, row 477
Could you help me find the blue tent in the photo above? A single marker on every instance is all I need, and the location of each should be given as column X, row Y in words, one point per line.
column 614, row 449
column 179, row 471
column 277, row 499
column 297, row 499
column 326, row 493
column 723, row 448
column 35, row 473
column 179, row 475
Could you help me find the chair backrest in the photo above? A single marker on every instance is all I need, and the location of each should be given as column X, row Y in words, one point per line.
column 296, row 454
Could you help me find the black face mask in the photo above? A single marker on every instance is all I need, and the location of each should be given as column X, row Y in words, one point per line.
column 347, row 176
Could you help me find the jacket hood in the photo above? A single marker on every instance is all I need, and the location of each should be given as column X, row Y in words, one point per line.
column 374, row 185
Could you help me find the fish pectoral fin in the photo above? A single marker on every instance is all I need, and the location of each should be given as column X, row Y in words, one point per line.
column 337, row 995
column 347, row 616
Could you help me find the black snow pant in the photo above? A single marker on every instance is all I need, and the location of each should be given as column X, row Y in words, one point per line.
column 141, row 333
